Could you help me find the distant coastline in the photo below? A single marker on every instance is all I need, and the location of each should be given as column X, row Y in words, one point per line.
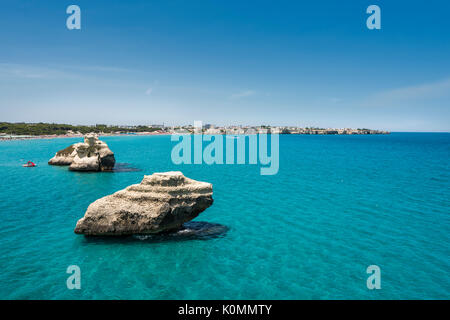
column 25, row 131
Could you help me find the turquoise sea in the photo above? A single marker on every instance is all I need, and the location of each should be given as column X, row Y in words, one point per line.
column 337, row 205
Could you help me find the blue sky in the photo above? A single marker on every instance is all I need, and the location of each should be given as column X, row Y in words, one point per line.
column 305, row 63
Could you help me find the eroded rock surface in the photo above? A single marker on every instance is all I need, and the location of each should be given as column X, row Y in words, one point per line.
column 161, row 202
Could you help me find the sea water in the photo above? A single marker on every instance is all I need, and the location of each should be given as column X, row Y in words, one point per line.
column 337, row 205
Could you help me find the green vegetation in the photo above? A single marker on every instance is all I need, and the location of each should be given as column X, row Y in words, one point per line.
column 36, row 129
column 67, row 151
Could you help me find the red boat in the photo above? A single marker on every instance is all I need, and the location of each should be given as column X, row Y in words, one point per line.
column 29, row 164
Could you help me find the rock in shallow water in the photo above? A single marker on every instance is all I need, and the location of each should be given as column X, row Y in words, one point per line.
column 92, row 155
column 161, row 202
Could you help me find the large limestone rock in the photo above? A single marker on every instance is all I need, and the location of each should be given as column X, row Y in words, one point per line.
column 161, row 202
column 90, row 155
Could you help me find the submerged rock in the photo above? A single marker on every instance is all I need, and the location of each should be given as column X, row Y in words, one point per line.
column 162, row 202
column 192, row 230
column 90, row 155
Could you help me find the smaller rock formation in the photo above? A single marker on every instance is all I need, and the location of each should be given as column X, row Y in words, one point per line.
column 92, row 155
column 161, row 202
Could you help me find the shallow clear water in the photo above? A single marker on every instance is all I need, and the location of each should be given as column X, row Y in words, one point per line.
column 337, row 205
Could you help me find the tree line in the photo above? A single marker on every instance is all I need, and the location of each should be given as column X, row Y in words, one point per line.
column 35, row 129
